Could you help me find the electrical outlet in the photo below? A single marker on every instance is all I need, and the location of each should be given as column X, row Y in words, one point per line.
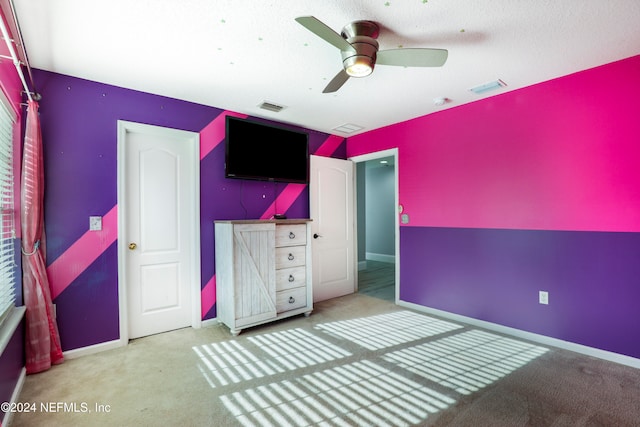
column 543, row 297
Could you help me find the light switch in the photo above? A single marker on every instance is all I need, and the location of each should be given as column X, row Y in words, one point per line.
column 95, row 223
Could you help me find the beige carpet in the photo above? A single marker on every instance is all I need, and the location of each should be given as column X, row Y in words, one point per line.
column 356, row 360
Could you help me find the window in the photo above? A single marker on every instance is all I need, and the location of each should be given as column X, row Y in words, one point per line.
column 7, row 212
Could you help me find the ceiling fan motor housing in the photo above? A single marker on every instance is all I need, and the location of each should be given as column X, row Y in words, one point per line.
column 361, row 28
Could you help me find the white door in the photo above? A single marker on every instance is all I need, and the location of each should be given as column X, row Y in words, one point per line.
column 332, row 208
column 159, row 221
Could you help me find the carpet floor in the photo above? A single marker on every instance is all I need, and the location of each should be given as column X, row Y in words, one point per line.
column 356, row 361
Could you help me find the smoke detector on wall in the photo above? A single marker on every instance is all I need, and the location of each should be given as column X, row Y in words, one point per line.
column 440, row 101
column 489, row 86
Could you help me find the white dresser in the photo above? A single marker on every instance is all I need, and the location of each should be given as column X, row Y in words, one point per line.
column 263, row 271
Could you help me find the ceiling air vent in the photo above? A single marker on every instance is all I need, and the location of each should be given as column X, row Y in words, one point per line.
column 271, row 106
column 348, row 128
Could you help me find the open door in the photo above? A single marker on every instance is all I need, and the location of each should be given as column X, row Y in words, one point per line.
column 331, row 201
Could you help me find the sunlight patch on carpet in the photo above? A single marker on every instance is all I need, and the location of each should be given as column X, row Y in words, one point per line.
column 468, row 361
column 388, row 330
column 360, row 393
column 297, row 348
column 231, row 362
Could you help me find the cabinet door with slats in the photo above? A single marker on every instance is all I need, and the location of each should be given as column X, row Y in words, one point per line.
column 255, row 292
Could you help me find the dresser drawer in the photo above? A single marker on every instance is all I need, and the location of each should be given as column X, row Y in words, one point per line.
column 288, row 278
column 292, row 256
column 291, row 235
column 291, row 299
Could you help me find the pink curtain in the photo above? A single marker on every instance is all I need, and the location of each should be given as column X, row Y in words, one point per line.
column 42, row 339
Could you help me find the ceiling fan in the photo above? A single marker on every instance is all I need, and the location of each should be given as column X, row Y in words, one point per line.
column 359, row 49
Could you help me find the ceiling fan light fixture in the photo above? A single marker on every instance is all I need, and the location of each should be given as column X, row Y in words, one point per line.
column 358, row 66
column 361, row 62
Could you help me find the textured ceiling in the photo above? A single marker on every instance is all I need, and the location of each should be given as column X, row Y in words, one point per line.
column 235, row 54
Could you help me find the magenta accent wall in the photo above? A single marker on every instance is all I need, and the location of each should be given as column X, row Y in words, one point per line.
column 534, row 189
column 560, row 155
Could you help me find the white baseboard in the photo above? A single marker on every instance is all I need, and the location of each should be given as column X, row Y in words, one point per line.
column 109, row 345
column 92, row 349
column 530, row 336
column 6, row 420
column 380, row 257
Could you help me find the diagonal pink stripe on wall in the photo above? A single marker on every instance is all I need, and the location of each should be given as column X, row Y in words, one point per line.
column 208, row 296
column 214, row 133
column 284, row 200
column 292, row 191
column 75, row 260
column 329, row 146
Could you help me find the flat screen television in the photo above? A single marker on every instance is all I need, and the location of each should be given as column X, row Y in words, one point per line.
column 265, row 152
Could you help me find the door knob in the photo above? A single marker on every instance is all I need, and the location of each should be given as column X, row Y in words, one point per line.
column 132, row 246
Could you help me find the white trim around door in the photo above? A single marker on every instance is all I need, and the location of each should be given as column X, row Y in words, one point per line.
column 193, row 139
column 374, row 156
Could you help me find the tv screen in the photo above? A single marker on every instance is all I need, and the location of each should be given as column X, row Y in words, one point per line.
column 264, row 152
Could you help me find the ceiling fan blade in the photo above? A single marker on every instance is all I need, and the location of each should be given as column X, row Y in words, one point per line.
column 321, row 30
column 413, row 57
column 337, row 82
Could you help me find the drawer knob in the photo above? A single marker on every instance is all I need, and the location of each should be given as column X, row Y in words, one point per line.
column 290, row 257
column 292, row 300
column 292, row 235
column 291, row 278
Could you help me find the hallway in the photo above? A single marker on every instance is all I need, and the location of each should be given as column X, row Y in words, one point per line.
column 378, row 280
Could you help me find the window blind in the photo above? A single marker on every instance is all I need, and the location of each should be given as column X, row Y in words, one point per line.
column 7, row 210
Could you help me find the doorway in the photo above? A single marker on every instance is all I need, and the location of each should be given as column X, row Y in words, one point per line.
column 158, row 229
column 377, row 219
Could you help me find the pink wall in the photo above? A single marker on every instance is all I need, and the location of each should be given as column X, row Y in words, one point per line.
column 11, row 86
column 560, row 155
column 9, row 80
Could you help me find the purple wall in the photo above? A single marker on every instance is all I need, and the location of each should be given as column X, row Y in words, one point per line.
column 79, row 125
column 11, row 364
column 534, row 189
column 495, row 275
